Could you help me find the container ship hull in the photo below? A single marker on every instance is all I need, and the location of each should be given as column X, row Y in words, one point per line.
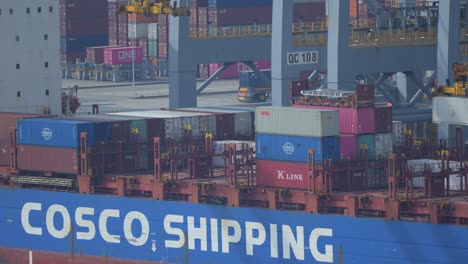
column 56, row 227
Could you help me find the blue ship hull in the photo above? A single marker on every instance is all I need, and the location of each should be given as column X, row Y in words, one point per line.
column 177, row 232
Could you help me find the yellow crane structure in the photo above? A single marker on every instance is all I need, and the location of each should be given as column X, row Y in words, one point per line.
column 460, row 88
column 155, row 7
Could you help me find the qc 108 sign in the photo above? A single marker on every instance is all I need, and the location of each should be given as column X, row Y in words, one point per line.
column 303, row 57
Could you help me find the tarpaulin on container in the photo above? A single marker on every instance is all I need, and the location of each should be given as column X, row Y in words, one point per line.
column 296, row 122
column 295, row 149
column 367, row 141
column 54, row 132
column 48, row 159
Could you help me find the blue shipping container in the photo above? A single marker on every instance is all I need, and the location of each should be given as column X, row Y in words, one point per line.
column 56, row 132
column 81, row 43
column 294, row 149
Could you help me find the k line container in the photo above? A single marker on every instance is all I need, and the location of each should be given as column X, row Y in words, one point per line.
column 294, row 149
column 175, row 122
column 296, row 122
column 54, row 132
column 48, row 159
column 352, row 121
column 348, row 146
column 383, row 144
column 123, row 55
column 367, row 141
column 282, row 174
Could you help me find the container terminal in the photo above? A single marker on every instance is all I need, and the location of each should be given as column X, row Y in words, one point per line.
column 219, row 131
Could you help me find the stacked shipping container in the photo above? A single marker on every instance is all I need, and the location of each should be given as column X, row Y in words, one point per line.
column 283, row 137
column 363, row 128
column 82, row 24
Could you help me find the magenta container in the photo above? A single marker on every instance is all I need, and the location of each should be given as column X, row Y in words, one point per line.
column 352, row 121
column 348, row 146
column 123, row 55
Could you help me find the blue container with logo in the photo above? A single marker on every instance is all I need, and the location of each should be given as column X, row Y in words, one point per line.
column 55, row 132
column 294, row 149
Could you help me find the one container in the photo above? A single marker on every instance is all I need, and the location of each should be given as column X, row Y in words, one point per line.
column 282, row 174
column 54, row 132
column 295, row 149
column 175, row 122
column 348, row 146
column 383, row 119
column 48, row 159
column 367, row 141
column 383, row 145
column 352, row 121
column 296, row 122
column 451, row 110
column 123, row 55
column 222, row 145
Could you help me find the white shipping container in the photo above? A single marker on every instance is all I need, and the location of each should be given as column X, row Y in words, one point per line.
column 383, row 144
column 138, row 30
column 153, row 31
column 296, row 121
column 449, row 109
column 398, row 131
column 220, row 146
column 418, row 167
column 175, row 122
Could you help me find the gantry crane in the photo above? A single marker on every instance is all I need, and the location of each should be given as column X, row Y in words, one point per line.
column 460, row 88
column 148, row 8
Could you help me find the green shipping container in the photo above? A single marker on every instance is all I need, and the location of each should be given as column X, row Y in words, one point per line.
column 367, row 140
column 152, row 48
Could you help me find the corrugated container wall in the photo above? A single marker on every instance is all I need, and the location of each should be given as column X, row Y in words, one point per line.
column 295, row 149
column 348, row 146
column 83, row 24
column 383, row 145
column 367, row 141
column 352, row 121
column 383, row 119
column 48, row 159
column 53, row 132
column 296, row 122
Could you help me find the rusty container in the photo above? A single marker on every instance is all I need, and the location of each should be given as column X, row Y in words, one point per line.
column 48, row 159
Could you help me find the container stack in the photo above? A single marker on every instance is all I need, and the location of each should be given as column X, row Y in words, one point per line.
column 118, row 24
column 153, row 40
column 82, row 24
column 363, row 128
column 284, row 136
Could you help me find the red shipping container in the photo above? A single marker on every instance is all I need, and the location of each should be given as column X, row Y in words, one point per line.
column 383, row 119
column 8, row 121
column 348, row 146
column 48, row 159
column 283, row 174
column 352, row 121
column 123, row 55
column 141, row 18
